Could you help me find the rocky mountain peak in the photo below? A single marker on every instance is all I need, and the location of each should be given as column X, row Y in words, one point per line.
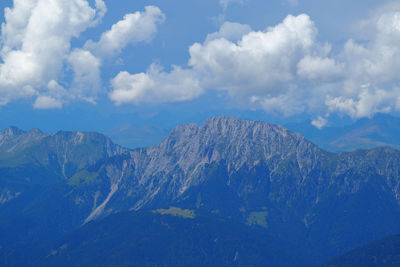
column 231, row 138
column 237, row 143
column 12, row 131
column 230, row 126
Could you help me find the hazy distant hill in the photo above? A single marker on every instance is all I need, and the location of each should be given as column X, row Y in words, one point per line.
column 134, row 136
column 378, row 131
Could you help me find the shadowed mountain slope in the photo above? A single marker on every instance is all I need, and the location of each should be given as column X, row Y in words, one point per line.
column 151, row 239
column 382, row 253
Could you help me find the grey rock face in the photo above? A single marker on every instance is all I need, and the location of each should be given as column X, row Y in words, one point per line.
column 178, row 163
column 289, row 163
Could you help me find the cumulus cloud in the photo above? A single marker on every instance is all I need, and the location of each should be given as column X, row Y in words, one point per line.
column 36, row 48
column 155, row 86
column 366, row 103
column 46, row 102
column 36, row 37
column 371, row 82
column 258, row 63
column 320, row 122
column 285, row 70
column 86, row 68
column 101, row 10
column 135, row 27
column 281, row 69
column 318, row 68
column 255, row 67
column 53, row 96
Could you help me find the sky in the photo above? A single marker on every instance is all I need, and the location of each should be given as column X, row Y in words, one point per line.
column 113, row 66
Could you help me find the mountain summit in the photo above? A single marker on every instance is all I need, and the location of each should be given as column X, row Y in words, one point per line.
column 182, row 161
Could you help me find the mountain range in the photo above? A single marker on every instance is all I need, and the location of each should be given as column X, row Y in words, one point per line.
column 227, row 177
column 338, row 136
column 366, row 133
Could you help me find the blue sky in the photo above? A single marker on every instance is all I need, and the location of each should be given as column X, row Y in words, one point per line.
column 101, row 65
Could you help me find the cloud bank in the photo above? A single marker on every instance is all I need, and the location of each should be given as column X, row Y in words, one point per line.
column 36, row 51
column 284, row 70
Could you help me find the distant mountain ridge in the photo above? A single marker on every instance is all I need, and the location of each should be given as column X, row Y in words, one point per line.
column 379, row 131
column 255, row 173
column 76, row 149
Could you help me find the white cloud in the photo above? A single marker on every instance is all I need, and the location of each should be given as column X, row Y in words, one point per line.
column 86, row 67
column 257, row 69
column 36, row 48
column 288, row 103
column 16, row 19
column 154, row 86
column 318, row 68
column 47, row 102
column 135, row 27
column 367, row 29
column 36, row 38
column 51, row 97
column 365, row 103
column 371, row 82
column 320, row 122
column 55, row 89
column 101, row 10
column 284, row 69
column 257, row 64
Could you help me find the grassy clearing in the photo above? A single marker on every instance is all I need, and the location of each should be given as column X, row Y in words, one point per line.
column 258, row 218
column 82, row 178
column 175, row 211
